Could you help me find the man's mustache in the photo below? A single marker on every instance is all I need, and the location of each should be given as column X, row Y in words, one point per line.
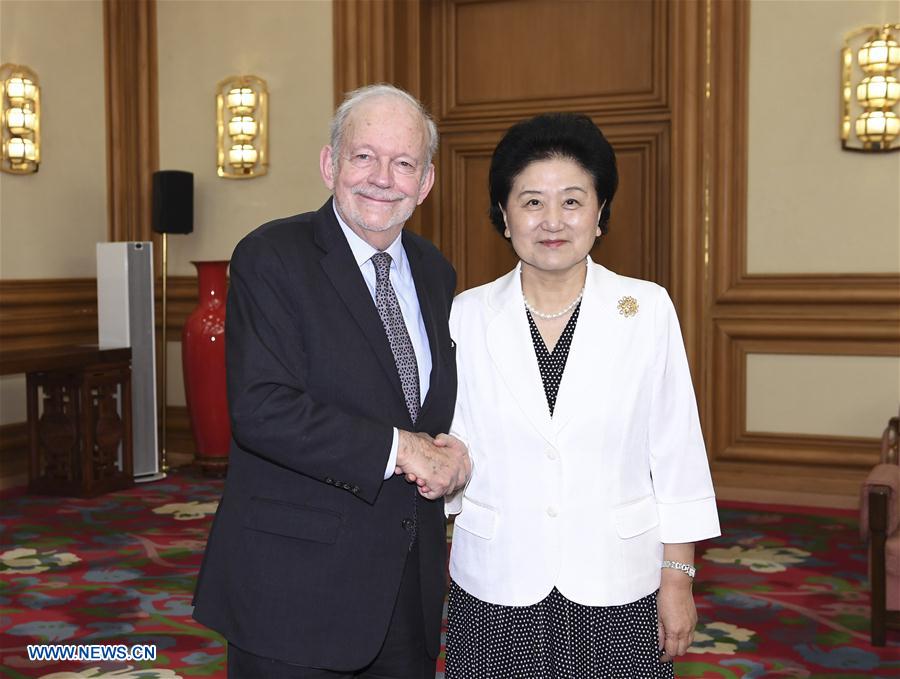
column 377, row 194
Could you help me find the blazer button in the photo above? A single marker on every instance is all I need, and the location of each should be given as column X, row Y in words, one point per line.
column 407, row 524
column 355, row 490
column 329, row 480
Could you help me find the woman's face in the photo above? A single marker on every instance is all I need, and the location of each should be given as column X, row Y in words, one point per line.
column 552, row 214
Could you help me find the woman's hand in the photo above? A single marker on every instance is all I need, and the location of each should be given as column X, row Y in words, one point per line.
column 677, row 614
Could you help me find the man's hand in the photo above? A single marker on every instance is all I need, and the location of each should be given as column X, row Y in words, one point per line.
column 438, row 466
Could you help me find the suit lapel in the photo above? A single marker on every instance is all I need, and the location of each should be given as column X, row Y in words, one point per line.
column 427, row 309
column 591, row 354
column 512, row 352
column 344, row 274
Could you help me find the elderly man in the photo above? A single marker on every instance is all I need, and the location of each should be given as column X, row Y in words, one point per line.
column 324, row 559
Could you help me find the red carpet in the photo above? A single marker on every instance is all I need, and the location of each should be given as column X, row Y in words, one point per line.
column 782, row 594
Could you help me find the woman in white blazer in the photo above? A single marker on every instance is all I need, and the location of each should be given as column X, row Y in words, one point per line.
column 573, row 544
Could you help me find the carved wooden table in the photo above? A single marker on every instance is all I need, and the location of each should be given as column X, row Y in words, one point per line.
column 79, row 418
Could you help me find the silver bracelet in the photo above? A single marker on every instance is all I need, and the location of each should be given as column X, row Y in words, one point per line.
column 690, row 569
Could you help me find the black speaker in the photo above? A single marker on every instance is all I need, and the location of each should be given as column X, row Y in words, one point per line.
column 173, row 201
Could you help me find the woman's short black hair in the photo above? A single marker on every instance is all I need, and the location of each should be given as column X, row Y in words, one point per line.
column 553, row 135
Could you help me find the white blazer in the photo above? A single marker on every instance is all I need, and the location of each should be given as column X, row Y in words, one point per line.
column 584, row 500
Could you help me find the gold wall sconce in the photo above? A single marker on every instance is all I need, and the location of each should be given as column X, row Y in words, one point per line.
column 242, row 124
column 20, row 126
column 877, row 59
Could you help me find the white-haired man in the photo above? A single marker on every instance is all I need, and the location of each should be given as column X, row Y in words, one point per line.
column 324, row 560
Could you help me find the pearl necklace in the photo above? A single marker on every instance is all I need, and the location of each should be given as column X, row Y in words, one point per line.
column 549, row 317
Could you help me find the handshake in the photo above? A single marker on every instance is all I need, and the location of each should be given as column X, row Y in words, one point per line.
column 438, row 466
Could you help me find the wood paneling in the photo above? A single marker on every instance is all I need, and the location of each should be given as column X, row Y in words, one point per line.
column 46, row 313
column 690, row 170
column 480, row 85
column 637, row 242
column 57, row 311
column 376, row 41
column 132, row 129
column 13, row 452
column 809, row 314
column 728, row 192
column 180, row 440
column 735, row 338
column 796, row 289
column 470, row 240
column 677, row 73
column 514, row 57
column 381, row 41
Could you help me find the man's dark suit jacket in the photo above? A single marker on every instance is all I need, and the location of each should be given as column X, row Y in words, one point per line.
column 309, row 542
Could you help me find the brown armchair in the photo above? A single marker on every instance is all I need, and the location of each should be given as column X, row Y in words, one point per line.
column 880, row 524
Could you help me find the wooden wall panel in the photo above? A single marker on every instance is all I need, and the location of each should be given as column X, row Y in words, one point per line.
column 623, row 247
column 59, row 311
column 637, row 242
column 735, row 450
column 689, row 173
column 519, row 57
column 132, row 127
column 638, row 236
column 180, row 439
column 13, row 454
column 47, row 313
column 376, row 41
column 484, row 251
column 468, row 238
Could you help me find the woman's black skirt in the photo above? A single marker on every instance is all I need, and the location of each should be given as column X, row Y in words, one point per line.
column 554, row 638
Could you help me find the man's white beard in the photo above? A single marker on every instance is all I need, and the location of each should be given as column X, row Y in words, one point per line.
column 354, row 217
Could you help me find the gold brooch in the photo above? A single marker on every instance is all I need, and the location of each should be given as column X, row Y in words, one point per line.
column 628, row 306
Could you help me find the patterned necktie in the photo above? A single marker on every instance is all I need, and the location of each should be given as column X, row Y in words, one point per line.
column 398, row 337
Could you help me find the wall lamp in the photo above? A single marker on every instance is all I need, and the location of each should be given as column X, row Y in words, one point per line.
column 242, row 124
column 876, row 126
column 20, row 127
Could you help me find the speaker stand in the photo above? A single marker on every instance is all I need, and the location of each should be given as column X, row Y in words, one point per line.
column 163, row 463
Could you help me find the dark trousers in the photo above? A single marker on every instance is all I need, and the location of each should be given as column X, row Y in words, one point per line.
column 402, row 656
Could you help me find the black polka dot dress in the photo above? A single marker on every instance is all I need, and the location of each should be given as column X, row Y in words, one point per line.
column 556, row 637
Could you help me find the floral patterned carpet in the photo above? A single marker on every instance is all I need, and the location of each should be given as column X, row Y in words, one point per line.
column 782, row 594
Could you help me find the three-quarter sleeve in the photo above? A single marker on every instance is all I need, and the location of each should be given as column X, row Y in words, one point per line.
column 678, row 461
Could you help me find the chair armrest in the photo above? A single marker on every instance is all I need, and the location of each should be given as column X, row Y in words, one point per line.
column 884, row 479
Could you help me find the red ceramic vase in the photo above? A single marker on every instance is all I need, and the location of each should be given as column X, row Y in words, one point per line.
column 203, row 358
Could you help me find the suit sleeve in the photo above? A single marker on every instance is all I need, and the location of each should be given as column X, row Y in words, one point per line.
column 678, row 463
column 272, row 415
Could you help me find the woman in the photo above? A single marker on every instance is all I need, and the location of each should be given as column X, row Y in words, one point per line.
column 590, row 480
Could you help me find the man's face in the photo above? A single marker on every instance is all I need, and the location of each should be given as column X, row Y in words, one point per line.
column 379, row 176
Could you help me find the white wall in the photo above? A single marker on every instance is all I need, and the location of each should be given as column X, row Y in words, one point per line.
column 812, row 207
column 288, row 44
column 50, row 220
column 821, row 395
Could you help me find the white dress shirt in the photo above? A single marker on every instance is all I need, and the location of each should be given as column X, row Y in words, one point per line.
column 405, row 287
